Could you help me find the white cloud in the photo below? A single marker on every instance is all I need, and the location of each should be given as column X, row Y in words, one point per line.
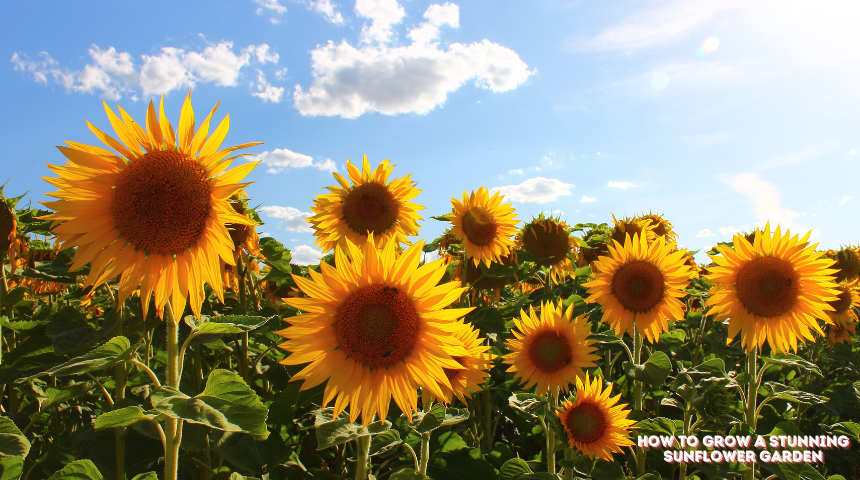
column 587, row 199
column 730, row 230
column 280, row 159
column 350, row 81
column 539, row 190
column 766, row 201
column 114, row 74
column 437, row 16
column 294, row 219
column 328, row 9
column 622, row 185
column 272, row 5
column 654, row 27
column 844, row 199
column 705, row 233
column 306, row 255
column 518, row 171
column 266, row 91
column 383, row 15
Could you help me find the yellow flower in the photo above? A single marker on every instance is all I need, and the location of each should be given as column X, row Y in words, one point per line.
column 630, row 227
column 371, row 205
column 662, row 227
column 640, row 284
column 772, row 289
column 549, row 238
column 376, row 329
column 594, row 424
column 476, row 366
column 551, row 350
column 843, row 316
column 484, row 225
column 154, row 211
column 847, row 263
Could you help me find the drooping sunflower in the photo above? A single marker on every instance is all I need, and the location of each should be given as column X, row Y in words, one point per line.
column 550, row 238
column 594, row 423
column 847, row 263
column 640, row 284
column 8, row 224
column 551, row 350
column 662, row 227
column 593, row 245
column 154, row 211
column 475, row 369
column 244, row 236
column 376, row 329
column 33, row 253
column 371, row 205
column 843, row 316
column 631, row 227
column 484, row 225
column 772, row 289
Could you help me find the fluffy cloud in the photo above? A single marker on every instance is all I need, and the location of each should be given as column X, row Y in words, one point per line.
column 294, row 219
column 539, row 190
column 705, row 233
column 622, row 185
column 272, row 5
column 265, row 90
column 350, row 81
column 280, row 159
column 730, row 230
column 765, row 198
column 114, row 74
column 517, row 171
column 306, row 255
column 328, row 9
column 587, row 199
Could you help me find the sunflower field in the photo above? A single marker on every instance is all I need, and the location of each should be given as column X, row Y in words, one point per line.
column 149, row 332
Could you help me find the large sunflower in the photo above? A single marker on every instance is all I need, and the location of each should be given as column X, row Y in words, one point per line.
column 371, row 205
column 640, row 284
column 550, row 238
column 594, row 424
column 475, row 366
column 772, row 289
column 377, row 329
column 552, row 350
column 154, row 211
column 484, row 225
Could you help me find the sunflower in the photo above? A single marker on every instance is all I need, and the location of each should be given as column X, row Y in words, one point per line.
column 475, row 366
column 548, row 237
column 8, row 226
column 771, row 289
column 154, row 213
column 662, row 227
column 34, row 252
column 484, row 225
column 371, row 205
column 244, row 236
column 840, row 333
column 843, row 316
column 847, row 263
column 377, row 329
column 640, row 285
column 632, row 226
column 594, row 244
column 551, row 350
column 594, row 423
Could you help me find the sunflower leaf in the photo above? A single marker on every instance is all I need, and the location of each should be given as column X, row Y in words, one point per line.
column 276, row 255
column 513, row 469
column 78, row 470
column 384, row 442
column 454, row 416
column 408, row 474
column 13, row 443
column 652, row 372
column 793, row 361
column 424, row 422
column 116, row 350
column 782, row 392
column 331, row 432
column 11, row 468
column 146, row 476
column 529, row 403
column 122, row 417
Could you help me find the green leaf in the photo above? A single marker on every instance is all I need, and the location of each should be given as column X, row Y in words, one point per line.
column 78, row 470
column 652, row 372
column 540, row 476
column 276, row 255
column 604, row 470
column 714, row 366
column 14, row 296
column 513, row 469
column 782, row 392
column 56, row 396
column 122, row 417
column 116, row 350
column 331, row 432
column 13, row 443
column 850, row 429
column 793, row 361
column 69, row 330
column 227, row 403
column 23, row 325
column 146, row 476
column 488, row 320
column 656, row 426
column 428, row 421
column 226, row 324
column 11, row 468
column 463, row 464
column 408, row 474
column 529, row 403
column 384, row 442
column 454, row 416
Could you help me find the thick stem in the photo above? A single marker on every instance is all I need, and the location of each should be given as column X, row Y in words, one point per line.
column 119, row 395
column 362, row 445
column 550, row 445
column 425, row 453
column 173, row 433
column 752, row 398
column 487, row 422
column 568, row 470
column 637, row 393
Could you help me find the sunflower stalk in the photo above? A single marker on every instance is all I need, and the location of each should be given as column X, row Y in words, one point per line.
column 119, row 395
column 173, row 432
column 637, row 392
column 568, row 469
column 750, row 412
column 487, row 420
column 362, row 445
column 550, row 445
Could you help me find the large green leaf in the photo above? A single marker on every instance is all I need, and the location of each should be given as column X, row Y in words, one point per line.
column 227, row 403
column 13, row 443
column 55, row 396
column 78, row 470
column 225, row 324
column 652, row 372
column 276, row 255
column 514, row 469
column 335, row 431
column 792, row 360
column 11, row 468
column 116, row 350
column 122, row 417
column 384, row 442
column 782, row 392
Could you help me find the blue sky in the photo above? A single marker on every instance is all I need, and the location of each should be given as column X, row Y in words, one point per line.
column 719, row 115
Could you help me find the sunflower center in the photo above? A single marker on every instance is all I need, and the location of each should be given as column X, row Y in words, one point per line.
column 452, row 373
column 768, row 286
column 550, row 352
column 547, row 240
column 844, row 301
column 370, row 208
column 586, row 423
column 638, row 285
column 479, row 226
column 161, row 202
column 377, row 326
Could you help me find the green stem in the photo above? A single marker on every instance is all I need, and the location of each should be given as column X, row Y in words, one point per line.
column 487, row 422
column 550, row 445
column 568, row 470
column 637, row 393
column 425, row 453
column 119, row 395
column 173, row 433
column 362, row 445
column 750, row 413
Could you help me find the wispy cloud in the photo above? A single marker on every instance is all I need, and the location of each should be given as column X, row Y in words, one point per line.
column 293, row 218
column 516, row 171
column 730, row 230
column 305, row 255
column 280, row 159
column 538, row 190
column 328, row 9
column 587, row 199
column 844, row 199
column 623, row 185
column 799, row 156
column 705, row 233
column 765, row 198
